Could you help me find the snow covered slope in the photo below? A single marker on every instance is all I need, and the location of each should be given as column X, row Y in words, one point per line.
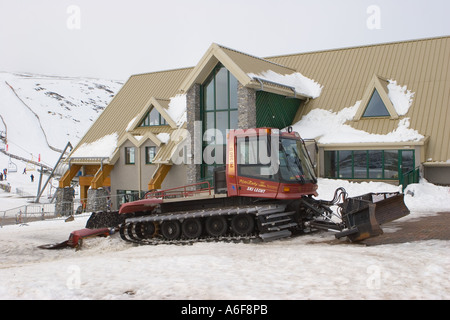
column 43, row 113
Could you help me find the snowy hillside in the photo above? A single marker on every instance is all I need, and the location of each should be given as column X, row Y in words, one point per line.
column 40, row 114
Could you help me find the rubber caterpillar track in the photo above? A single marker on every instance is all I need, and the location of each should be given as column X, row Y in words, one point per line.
column 231, row 224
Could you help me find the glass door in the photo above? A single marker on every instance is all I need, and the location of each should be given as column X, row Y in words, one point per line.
column 406, row 161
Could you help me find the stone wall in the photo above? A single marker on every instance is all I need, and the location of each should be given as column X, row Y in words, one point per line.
column 64, row 201
column 193, row 115
column 246, row 107
column 97, row 200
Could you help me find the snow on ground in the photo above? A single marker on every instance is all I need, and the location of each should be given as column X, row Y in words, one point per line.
column 312, row 266
column 307, row 267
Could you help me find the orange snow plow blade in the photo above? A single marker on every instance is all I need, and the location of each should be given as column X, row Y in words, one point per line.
column 364, row 214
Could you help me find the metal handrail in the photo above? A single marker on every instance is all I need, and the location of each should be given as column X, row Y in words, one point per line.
column 177, row 193
column 412, row 176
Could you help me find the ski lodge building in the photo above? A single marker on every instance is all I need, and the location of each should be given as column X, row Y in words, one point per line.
column 377, row 112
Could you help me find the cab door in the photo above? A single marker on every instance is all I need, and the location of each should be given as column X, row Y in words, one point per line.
column 255, row 177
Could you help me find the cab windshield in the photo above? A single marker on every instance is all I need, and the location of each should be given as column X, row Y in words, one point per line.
column 256, row 159
column 295, row 164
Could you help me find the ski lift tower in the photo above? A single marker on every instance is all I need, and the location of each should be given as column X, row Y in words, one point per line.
column 3, row 135
column 2, row 140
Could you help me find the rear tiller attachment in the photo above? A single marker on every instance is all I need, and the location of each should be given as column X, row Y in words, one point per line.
column 363, row 215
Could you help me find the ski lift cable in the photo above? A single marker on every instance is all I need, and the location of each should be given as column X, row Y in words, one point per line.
column 12, row 142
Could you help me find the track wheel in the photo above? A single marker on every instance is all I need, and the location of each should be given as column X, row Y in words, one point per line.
column 191, row 228
column 131, row 231
column 145, row 230
column 171, row 230
column 242, row 224
column 122, row 232
column 216, row 226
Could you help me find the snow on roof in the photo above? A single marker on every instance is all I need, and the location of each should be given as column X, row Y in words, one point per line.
column 302, row 84
column 177, row 109
column 163, row 137
column 130, row 124
column 101, row 148
column 400, row 97
column 332, row 128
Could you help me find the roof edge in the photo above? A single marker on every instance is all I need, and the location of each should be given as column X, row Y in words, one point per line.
column 255, row 57
column 357, row 46
column 161, row 71
column 380, row 145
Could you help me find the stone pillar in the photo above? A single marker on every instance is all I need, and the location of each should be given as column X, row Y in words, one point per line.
column 246, row 107
column 97, row 200
column 193, row 116
column 64, row 201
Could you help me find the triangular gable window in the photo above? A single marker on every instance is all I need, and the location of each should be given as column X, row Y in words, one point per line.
column 376, row 107
column 375, row 102
column 153, row 118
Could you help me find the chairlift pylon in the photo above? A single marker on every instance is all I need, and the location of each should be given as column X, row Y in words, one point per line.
column 12, row 167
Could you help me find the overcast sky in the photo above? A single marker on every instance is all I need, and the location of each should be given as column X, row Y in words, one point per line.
column 114, row 39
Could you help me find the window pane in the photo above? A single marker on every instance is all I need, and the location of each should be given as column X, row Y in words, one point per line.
column 248, row 151
column 345, row 164
column 146, row 121
column 208, row 172
column 154, row 117
column 222, row 89
column 209, row 124
column 376, row 107
column 222, row 126
column 360, row 164
column 376, row 164
column 248, row 159
column 233, row 92
column 209, row 95
column 407, row 160
column 330, row 164
column 129, row 155
column 150, row 153
column 391, row 164
column 233, row 120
